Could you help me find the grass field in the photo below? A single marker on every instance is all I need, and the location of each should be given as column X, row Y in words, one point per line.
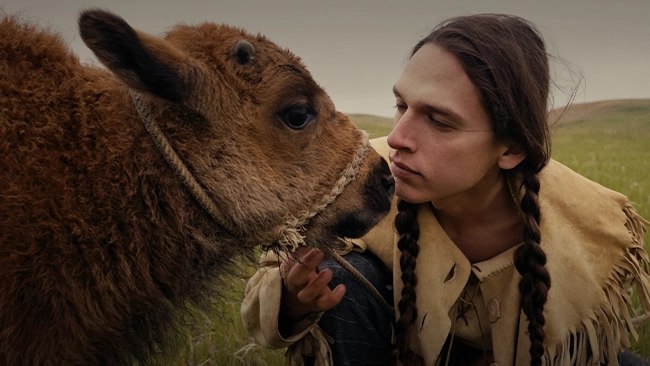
column 608, row 142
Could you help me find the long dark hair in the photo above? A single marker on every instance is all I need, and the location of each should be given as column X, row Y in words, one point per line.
column 505, row 58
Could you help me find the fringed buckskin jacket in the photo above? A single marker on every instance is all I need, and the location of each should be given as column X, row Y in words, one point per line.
column 593, row 240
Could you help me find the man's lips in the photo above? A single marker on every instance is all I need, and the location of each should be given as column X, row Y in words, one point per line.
column 400, row 169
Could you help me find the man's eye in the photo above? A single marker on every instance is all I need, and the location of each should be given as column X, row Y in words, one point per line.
column 439, row 124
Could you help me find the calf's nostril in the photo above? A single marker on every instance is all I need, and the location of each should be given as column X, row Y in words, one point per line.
column 389, row 184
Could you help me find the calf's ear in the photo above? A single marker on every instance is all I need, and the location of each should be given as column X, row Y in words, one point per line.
column 145, row 63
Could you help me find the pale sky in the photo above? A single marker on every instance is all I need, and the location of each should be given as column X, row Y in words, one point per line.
column 356, row 50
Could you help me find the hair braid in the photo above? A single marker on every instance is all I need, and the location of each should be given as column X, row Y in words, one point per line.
column 529, row 261
column 407, row 226
column 505, row 58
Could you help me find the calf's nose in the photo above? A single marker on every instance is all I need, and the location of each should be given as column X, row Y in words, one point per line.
column 389, row 184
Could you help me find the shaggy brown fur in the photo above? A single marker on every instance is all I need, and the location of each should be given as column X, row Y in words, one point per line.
column 101, row 247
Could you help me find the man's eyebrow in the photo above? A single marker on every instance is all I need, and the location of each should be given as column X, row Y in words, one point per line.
column 396, row 92
column 434, row 108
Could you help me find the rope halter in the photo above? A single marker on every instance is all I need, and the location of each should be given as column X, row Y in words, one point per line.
column 286, row 236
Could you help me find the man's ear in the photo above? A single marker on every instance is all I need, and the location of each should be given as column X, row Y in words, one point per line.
column 511, row 157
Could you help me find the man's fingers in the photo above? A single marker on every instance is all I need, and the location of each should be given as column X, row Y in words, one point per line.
column 324, row 300
column 305, row 288
column 298, row 273
column 319, row 295
column 332, row 299
column 316, row 286
column 329, row 298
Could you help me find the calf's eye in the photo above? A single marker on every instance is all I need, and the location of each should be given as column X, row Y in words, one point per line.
column 298, row 116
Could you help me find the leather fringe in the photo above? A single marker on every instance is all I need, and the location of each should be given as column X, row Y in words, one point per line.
column 605, row 333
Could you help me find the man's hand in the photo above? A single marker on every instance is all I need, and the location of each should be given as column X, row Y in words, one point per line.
column 305, row 288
